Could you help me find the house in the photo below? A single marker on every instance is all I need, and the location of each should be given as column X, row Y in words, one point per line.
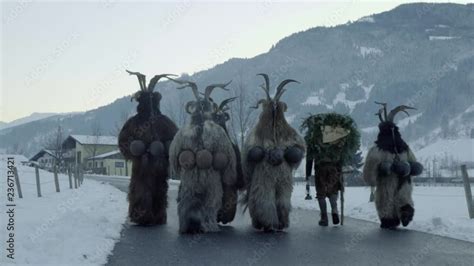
column 110, row 163
column 78, row 148
column 44, row 159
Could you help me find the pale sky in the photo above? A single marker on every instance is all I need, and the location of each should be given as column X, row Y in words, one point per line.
column 68, row 56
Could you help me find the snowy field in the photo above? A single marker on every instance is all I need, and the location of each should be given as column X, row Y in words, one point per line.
column 73, row 227
column 438, row 210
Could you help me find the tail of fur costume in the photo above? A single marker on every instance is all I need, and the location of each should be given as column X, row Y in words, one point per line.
column 191, row 218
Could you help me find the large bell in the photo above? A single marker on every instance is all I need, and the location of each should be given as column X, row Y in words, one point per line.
column 275, row 156
column 157, row 148
column 385, row 168
column 220, row 161
column 416, row 168
column 137, row 148
column 256, row 154
column 401, row 168
column 293, row 155
column 204, row 159
column 186, row 159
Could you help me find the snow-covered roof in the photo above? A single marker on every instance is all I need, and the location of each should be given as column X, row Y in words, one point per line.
column 104, row 155
column 92, row 140
column 17, row 157
column 41, row 153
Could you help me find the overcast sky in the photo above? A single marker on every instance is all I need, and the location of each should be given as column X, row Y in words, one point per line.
column 70, row 56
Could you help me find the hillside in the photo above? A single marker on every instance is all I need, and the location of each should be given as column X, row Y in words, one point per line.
column 416, row 54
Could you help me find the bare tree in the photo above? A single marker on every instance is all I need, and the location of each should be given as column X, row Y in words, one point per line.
column 242, row 112
column 54, row 144
column 96, row 133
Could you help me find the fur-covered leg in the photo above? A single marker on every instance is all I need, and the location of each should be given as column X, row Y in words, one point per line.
column 140, row 209
column 191, row 218
column 229, row 204
column 160, row 203
column 405, row 206
column 262, row 207
column 212, row 203
column 386, row 203
column 283, row 204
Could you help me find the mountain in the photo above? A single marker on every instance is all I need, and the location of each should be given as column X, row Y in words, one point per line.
column 416, row 54
column 26, row 119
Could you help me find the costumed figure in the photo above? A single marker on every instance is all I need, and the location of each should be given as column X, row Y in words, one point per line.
column 271, row 153
column 332, row 141
column 203, row 157
column 144, row 139
column 230, row 192
column 389, row 166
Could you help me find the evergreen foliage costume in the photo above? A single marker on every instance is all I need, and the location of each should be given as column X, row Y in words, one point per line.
column 332, row 140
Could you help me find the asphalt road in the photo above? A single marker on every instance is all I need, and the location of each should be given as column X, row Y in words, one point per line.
column 304, row 243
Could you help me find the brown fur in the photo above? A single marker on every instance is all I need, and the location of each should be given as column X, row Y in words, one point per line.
column 148, row 188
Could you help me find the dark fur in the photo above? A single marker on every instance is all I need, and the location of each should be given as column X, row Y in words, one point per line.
column 148, row 188
column 230, row 193
column 385, row 138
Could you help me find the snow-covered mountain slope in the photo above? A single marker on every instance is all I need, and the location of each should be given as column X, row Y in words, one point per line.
column 460, row 150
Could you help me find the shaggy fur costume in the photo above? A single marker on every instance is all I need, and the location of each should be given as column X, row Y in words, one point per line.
column 269, row 187
column 200, row 191
column 230, row 192
column 148, row 188
column 393, row 194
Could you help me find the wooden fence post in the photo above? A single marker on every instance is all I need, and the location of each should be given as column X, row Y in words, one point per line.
column 81, row 176
column 69, row 173
column 467, row 189
column 75, row 178
column 17, row 181
column 38, row 184
column 56, row 180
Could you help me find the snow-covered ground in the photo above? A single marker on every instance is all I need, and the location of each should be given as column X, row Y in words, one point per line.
column 438, row 210
column 73, row 227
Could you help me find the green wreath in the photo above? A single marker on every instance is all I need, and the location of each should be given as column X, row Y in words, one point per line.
column 311, row 127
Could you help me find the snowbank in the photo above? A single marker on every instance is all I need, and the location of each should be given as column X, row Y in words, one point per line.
column 73, row 227
column 438, row 210
column 460, row 149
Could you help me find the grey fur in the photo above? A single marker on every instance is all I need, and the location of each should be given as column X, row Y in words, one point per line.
column 389, row 197
column 269, row 187
column 200, row 194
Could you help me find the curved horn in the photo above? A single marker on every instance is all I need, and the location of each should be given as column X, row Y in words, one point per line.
column 155, row 79
column 400, row 108
column 379, row 113
column 225, row 102
column 141, row 79
column 210, row 88
column 266, row 88
column 186, row 84
column 258, row 104
column 280, row 89
column 384, row 109
column 188, row 106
